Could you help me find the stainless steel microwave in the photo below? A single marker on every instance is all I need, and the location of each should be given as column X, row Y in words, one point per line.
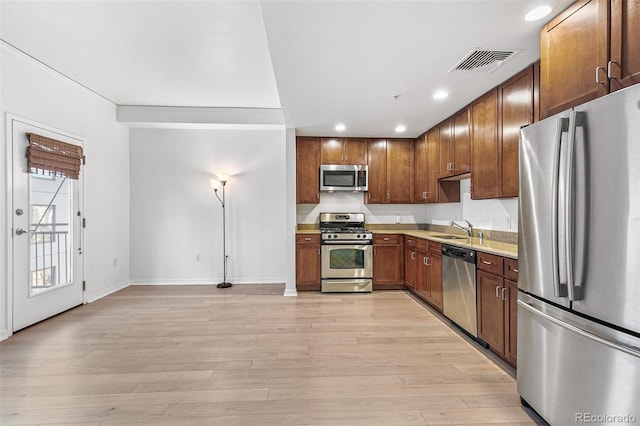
column 334, row 177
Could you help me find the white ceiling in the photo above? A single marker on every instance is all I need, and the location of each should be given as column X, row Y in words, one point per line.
column 322, row 62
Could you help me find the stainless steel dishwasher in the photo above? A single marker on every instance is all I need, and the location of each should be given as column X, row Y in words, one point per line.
column 459, row 287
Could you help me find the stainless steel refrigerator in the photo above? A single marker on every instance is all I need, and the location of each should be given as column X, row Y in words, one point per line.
column 579, row 263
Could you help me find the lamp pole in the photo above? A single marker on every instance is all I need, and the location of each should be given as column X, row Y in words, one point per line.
column 224, row 283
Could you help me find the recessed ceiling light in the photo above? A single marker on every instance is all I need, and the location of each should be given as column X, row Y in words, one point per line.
column 400, row 128
column 440, row 94
column 340, row 127
column 537, row 13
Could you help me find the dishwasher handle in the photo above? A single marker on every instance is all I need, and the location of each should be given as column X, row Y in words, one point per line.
column 459, row 253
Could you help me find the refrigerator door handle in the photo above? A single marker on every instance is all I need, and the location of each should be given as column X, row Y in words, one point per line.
column 576, row 119
column 562, row 126
column 631, row 350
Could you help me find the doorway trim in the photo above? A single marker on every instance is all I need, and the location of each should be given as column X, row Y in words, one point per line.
column 9, row 119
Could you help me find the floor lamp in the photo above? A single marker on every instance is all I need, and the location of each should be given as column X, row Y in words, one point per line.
column 216, row 185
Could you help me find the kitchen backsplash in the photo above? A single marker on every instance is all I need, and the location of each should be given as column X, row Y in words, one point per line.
column 495, row 214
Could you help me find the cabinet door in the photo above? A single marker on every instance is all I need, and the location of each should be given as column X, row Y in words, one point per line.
column 422, row 274
column 377, row 153
column 308, row 266
column 355, row 151
column 435, row 280
column 400, row 163
column 490, row 310
column 421, row 170
column 432, row 166
column 331, row 151
column 625, row 44
column 484, row 146
column 511, row 322
column 410, row 266
column 572, row 47
column 307, row 170
column 387, row 264
column 461, row 145
column 515, row 103
column 445, row 146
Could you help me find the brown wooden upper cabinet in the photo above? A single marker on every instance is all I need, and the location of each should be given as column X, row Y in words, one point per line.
column 427, row 187
column 343, row 151
column 587, row 51
column 454, row 145
column 515, row 109
column 421, row 170
column 307, row 170
column 391, row 171
column 484, row 146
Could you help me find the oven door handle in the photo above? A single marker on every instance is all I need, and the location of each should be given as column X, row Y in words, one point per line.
column 347, row 243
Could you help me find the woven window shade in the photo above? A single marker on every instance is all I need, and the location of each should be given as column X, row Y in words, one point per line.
column 51, row 155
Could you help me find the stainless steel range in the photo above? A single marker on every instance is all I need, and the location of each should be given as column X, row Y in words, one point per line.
column 347, row 253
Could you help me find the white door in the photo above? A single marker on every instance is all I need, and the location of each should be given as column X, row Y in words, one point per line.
column 47, row 267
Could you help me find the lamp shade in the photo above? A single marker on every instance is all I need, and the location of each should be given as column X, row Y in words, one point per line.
column 215, row 184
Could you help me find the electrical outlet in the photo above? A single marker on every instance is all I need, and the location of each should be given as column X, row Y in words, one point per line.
column 115, row 261
column 397, row 218
column 508, row 224
column 198, row 258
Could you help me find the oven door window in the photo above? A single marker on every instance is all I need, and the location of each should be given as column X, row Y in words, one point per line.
column 339, row 178
column 346, row 258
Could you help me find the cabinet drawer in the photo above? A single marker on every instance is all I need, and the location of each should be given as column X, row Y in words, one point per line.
column 422, row 244
column 490, row 263
column 386, row 238
column 308, row 239
column 435, row 247
column 511, row 269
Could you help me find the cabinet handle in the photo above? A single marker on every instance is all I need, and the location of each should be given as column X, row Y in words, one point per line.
column 427, row 261
column 307, row 239
column 487, row 263
column 504, row 289
column 317, row 195
column 424, row 195
column 427, row 197
column 598, row 75
column 386, row 238
column 388, row 197
column 318, row 252
column 369, row 195
column 515, row 270
column 609, row 70
column 498, row 289
column 413, row 255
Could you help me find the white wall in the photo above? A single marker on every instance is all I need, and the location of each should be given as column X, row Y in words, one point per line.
column 35, row 92
column 176, row 221
column 484, row 214
column 374, row 213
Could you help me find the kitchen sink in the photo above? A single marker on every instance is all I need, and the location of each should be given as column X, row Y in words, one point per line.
column 451, row 237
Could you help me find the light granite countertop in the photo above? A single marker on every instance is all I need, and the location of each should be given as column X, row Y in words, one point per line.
column 487, row 246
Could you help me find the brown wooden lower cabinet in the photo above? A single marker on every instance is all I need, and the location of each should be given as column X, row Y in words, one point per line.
column 497, row 307
column 388, row 262
column 410, row 262
column 426, row 270
column 307, row 262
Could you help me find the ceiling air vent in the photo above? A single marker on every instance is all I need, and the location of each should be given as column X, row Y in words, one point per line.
column 482, row 60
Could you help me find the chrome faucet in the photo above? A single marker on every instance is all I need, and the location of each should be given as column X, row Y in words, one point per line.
column 468, row 230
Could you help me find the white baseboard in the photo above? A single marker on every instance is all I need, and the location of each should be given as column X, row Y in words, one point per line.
column 99, row 295
column 4, row 334
column 290, row 292
column 192, row 281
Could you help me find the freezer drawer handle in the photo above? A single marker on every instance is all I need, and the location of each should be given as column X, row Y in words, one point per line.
column 631, row 350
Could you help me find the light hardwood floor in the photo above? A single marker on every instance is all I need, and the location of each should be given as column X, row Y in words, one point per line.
column 198, row 355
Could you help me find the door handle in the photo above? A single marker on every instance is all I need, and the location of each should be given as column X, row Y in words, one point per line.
column 498, row 289
column 598, row 75
column 21, row 231
column 503, row 290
